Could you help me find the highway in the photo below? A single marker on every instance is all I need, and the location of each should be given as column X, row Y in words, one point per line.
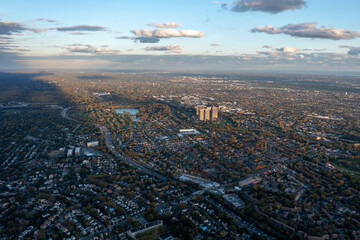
column 109, row 143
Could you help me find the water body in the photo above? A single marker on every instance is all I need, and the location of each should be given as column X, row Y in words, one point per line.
column 131, row 111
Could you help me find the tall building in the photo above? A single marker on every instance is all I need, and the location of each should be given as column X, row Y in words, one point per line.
column 207, row 114
column 198, row 107
column 202, row 114
column 77, row 152
column 214, row 113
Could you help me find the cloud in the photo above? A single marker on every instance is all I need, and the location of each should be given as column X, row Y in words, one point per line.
column 142, row 39
column 12, row 49
column 147, row 39
column 79, row 33
column 81, row 28
column 14, row 28
column 283, row 51
column 326, row 62
column 124, row 37
column 164, row 25
column 80, row 48
column 267, row 46
column 5, row 38
column 353, row 51
column 270, row 6
column 167, row 33
column 173, row 48
column 309, row 30
column 287, row 49
column 215, row 45
column 8, row 28
column 46, row 20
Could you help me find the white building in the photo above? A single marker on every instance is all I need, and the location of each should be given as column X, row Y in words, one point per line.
column 93, row 144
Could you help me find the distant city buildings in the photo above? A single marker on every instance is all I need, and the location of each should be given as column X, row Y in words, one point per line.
column 205, row 113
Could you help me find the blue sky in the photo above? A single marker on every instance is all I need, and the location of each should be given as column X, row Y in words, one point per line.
column 305, row 35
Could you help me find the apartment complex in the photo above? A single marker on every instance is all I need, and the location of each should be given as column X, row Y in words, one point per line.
column 205, row 113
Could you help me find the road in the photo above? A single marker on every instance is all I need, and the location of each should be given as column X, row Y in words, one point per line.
column 64, row 114
column 173, row 113
column 109, row 143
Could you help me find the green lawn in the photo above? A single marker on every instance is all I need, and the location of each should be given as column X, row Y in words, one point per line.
column 348, row 167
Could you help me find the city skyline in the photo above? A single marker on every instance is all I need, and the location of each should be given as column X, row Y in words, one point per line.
column 247, row 35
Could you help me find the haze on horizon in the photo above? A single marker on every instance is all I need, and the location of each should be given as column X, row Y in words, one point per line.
column 205, row 35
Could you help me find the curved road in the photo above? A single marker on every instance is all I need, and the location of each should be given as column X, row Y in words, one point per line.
column 109, row 143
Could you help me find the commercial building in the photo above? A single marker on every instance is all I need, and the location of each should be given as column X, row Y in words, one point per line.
column 198, row 180
column 234, row 200
column 93, row 144
column 249, row 180
column 189, row 131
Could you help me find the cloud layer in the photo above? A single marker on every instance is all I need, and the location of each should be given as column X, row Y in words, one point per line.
column 81, row 28
column 309, row 30
column 353, row 51
column 8, row 28
column 164, row 25
column 283, row 51
column 173, row 48
column 145, row 39
column 270, row 6
column 46, row 20
column 167, row 33
column 80, row 48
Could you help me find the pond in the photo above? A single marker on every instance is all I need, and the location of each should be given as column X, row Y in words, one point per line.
column 131, row 111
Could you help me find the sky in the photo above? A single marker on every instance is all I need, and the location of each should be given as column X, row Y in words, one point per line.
column 203, row 35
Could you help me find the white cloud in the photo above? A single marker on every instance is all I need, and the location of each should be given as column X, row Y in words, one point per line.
column 270, row 6
column 89, row 49
column 309, row 30
column 287, row 49
column 283, row 51
column 167, row 33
